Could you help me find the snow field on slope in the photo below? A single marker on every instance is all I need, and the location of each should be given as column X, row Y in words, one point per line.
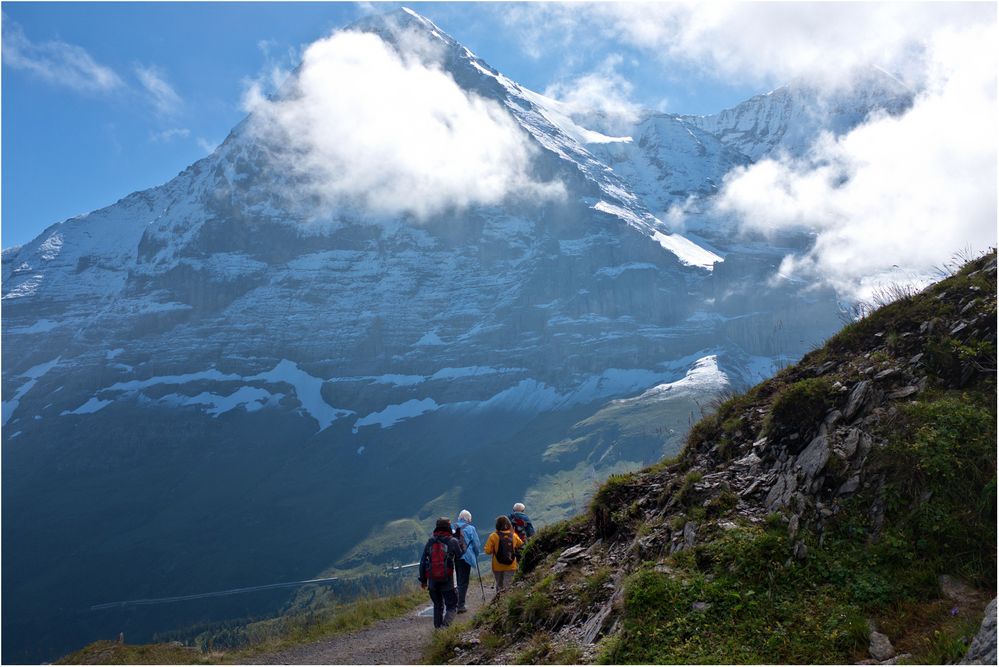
column 685, row 250
column 527, row 396
column 33, row 374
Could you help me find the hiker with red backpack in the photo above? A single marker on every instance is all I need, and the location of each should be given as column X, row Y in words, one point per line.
column 521, row 522
column 437, row 572
column 468, row 542
column 503, row 545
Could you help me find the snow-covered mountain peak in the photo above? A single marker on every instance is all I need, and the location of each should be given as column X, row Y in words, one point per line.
column 790, row 117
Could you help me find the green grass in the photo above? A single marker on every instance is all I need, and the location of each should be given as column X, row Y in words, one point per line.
column 540, row 651
column 234, row 645
column 764, row 606
column 442, row 646
column 760, row 608
column 112, row 653
column 941, row 468
column 593, row 586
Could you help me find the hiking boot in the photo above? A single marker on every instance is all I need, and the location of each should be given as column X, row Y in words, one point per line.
column 462, row 610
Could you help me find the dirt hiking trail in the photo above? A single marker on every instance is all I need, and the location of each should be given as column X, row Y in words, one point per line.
column 396, row 641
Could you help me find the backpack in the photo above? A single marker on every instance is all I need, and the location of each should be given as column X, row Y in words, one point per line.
column 520, row 527
column 462, row 543
column 441, row 566
column 504, row 552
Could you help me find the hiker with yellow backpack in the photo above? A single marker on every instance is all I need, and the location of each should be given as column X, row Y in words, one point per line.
column 504, row 545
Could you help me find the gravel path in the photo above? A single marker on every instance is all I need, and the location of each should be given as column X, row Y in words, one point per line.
column 396, row 641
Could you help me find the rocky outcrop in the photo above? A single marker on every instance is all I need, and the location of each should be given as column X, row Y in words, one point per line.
column 983, row 647
column 802, row 453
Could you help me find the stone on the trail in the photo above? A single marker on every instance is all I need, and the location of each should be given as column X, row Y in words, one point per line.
column 781, row 492
column 880, row 647
column 701, row 606
column 572, row 553
column 849, row 486
column 856, row 399
column 815, row 456
column 792, row 526
column 888, row 372
column 847, row 447
column 904, row 392
column 747, row 461
column 689, row 534
column 955, row 589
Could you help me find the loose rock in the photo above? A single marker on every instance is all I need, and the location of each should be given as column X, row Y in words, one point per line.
column 880, row 647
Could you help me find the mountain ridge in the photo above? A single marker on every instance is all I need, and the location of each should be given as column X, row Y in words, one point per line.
column 211, row 352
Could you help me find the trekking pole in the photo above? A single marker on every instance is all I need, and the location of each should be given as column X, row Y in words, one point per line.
column 480, row 580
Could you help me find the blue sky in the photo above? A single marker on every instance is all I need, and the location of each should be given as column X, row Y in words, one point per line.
column 170, row 78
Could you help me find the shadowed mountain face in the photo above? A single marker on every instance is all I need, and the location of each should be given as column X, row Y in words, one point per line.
column 221, row 382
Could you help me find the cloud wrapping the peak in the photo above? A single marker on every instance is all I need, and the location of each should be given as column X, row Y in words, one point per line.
column 887, row 201
column 56, row 62
column 362, row 124
column 602, row 92
column 904, row 192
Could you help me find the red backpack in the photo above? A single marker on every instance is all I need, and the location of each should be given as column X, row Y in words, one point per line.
column 520, row 527
column 441, row 562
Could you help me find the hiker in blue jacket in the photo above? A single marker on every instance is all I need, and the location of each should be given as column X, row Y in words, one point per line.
column 437, row 572
column 521, row 522
column 469, row 538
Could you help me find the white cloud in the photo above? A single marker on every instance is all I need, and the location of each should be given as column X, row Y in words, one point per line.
column 603, row 93
column 161, row 94
column 56, row 62
column 542, row 26
column 168, row 135
column 760, row 42
column 361, row 124
column 897, row 196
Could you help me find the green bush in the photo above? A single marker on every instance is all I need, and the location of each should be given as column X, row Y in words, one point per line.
column 759, row 608
column 799, row 408
column 552, row 538
column 941, row 463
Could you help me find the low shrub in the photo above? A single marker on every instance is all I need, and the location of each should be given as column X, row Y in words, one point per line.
column 799, row 408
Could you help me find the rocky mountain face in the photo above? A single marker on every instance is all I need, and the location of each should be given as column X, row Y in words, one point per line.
column 843, row 511
column 207, row 385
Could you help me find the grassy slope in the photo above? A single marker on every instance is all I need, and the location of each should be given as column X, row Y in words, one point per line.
column 254, row 638
column 740, row 596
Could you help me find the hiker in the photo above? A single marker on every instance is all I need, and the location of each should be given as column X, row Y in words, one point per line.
column 503, row 545
column 521, row 522
column 437, row 572
column 468, row 542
